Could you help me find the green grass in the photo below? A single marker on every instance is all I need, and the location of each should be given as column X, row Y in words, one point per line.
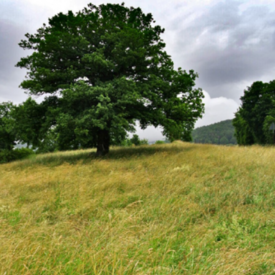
column 165, row 209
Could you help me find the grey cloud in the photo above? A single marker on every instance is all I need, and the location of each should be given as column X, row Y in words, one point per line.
column 226, row 46
column 9, row 49
column 229, row 43
column 10, row 54
column 223, row 16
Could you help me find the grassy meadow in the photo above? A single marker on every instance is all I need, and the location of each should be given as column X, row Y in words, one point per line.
column 178, row 208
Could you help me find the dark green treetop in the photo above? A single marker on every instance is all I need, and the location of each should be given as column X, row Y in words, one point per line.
column 108, row 67
column 7, row 133
column 253, row 118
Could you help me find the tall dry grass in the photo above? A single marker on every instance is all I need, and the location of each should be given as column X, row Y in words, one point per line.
column 167, row 209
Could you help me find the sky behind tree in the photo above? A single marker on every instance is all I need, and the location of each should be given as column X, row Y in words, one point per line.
column 230, row 44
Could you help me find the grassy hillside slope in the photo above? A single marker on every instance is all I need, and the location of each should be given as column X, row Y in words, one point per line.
column 164, row 209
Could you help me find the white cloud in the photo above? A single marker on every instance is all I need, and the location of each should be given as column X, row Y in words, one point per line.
column 217, row 109
column 150, row 133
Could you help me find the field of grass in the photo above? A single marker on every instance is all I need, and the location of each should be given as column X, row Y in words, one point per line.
column 164, row 209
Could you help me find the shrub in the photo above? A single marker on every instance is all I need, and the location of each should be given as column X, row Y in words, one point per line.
column 135, row 140
column 16, row 154
column 159, row 142
column 144, row 142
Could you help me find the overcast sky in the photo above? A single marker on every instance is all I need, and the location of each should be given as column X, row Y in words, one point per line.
column 230, row 44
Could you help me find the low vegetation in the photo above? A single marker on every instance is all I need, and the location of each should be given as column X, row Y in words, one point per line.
column 15, row 154
column 177, row 208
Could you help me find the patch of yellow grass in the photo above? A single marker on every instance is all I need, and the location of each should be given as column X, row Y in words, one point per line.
column 178, row 208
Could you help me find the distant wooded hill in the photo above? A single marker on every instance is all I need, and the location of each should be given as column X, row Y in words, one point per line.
column 217, row 133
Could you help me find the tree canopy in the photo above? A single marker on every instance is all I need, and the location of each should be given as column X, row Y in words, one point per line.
column 255, row 115
column 7, row 133
column 101, row 70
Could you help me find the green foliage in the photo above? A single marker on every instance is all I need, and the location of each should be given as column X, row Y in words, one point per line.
column 7, row 133
column 269, row 119
column 160, row 142
column 242, row 132
column 22, row 153
column 126, row 142
column 16, row 154
column 7, row 155
column 217, row 133
column 144, row 142
column 49, row 143
column 35, row 121
column 109, row 65
column 224, row 140
column 135, row 140
column 255, row 115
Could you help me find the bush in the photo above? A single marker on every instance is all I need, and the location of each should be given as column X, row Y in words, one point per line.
column 126, row 143
column 22, row 153
column 16, row 154
column 144, row 142
column 159, row 142
column 135, row 140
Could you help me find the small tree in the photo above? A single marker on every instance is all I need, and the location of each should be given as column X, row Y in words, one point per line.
column 109, row 65
column 144, row 142
column 135, row 140
column 7, row 133
column 36, row 123
column 160, row 142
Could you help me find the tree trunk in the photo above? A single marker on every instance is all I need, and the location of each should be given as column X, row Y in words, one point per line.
column 103, row 143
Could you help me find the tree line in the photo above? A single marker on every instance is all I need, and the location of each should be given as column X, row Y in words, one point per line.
column 217, row 133
column 257, row 112
column 100, row 70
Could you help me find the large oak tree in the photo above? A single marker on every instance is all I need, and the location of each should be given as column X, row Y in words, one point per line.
column 107, row 67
